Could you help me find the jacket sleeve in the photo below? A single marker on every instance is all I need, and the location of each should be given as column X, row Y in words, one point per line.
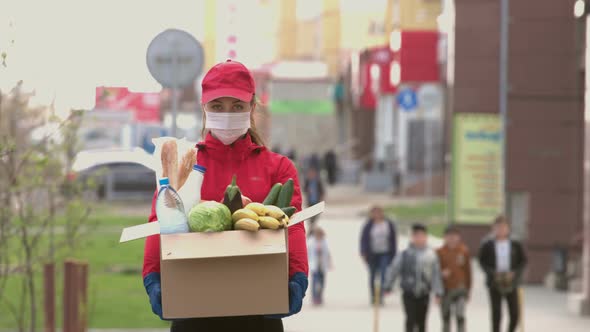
column 437, row 284
column 328, row 254
column 365, row 240
column 393, row 239
column 151, row 254
column 467, row 267
column 393, row 272
column 484, row 258
column 297, row 246
column 521, row 262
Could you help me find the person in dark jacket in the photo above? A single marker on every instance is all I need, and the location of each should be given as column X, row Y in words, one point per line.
column 292, row 154
column 314, row 193
column 314, row 161
column 331, row 165
column 503, row 261
column 378, row 247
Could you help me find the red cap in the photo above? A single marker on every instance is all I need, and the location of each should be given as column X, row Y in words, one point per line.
column 228, row 79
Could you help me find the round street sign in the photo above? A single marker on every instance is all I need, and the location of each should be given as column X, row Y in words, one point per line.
column 407, row 99
column 175, row 58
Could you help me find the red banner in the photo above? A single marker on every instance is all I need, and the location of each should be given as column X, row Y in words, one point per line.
column 418, row 56
column 145, row 105
column 417, row 59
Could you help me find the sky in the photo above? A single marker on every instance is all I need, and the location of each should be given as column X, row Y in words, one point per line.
column 63, row 49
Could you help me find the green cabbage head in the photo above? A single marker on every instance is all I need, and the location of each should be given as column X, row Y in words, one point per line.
column 209, row 216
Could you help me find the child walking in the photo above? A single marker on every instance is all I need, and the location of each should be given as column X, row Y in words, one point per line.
column 320, row 260
column 419, row 273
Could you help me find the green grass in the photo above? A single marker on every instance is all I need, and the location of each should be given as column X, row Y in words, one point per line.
column 430, row 213
column 117, row 298
column 321, row 107
column 421, row 211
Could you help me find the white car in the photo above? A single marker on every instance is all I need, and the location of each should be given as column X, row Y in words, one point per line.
column 117, row 173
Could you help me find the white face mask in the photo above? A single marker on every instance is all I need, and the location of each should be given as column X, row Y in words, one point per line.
column 228, row 127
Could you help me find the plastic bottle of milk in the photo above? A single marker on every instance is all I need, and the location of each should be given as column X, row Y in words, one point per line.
column 170, row 210
column 190, row 192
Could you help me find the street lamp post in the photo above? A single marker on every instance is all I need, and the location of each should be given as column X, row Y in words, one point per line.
column 503, row 89
column 586, row 169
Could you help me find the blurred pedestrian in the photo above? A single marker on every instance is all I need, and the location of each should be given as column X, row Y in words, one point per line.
column 314, row 192
column 320, row 261
column 331, row 166
column 277, row 149
column 503, row 261
column 455, row 268
column 378, row 247
column 418, row 270
column 314, row 162
column 292, row 154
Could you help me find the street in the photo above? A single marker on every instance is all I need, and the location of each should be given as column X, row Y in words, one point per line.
column 347, row 307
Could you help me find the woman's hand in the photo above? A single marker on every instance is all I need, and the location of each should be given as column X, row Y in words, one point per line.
column 246, row 200
column 297, row 287
column 153, row 288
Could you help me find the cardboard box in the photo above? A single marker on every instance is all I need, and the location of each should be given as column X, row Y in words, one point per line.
column 231, row 273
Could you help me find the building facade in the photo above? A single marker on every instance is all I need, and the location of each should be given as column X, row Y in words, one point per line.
column 544, row 136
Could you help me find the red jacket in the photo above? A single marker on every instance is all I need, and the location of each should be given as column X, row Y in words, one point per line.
column 257, row 169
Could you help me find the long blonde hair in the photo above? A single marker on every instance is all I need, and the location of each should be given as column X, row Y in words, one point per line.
column 256, row 138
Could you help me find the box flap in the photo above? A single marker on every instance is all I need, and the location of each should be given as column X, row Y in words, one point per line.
column 140, row 231
column 222, row 244
column 307, row 213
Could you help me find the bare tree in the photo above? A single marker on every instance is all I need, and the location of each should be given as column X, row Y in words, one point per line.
column 35, row 192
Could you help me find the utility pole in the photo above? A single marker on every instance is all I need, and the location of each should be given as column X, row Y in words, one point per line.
column 585, row 307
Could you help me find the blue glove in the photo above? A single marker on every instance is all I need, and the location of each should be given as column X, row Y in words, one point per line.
column 297, row 287
column 151, row 282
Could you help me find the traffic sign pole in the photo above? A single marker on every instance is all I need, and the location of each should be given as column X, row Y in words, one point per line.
column 175, row 94
column 175, row 60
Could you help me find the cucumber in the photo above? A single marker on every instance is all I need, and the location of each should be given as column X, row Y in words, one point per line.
column 273, row 194
column 289, row 211
column 286, row 194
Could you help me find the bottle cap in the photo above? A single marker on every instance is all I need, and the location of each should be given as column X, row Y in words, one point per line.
column 199, row 168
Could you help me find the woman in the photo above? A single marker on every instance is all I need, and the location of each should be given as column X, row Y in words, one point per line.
column 233, row 146
column 378, row 247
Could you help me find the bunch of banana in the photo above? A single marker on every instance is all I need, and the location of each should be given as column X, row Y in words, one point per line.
column 256, row 215
column 273, row 213
column 245, row 219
